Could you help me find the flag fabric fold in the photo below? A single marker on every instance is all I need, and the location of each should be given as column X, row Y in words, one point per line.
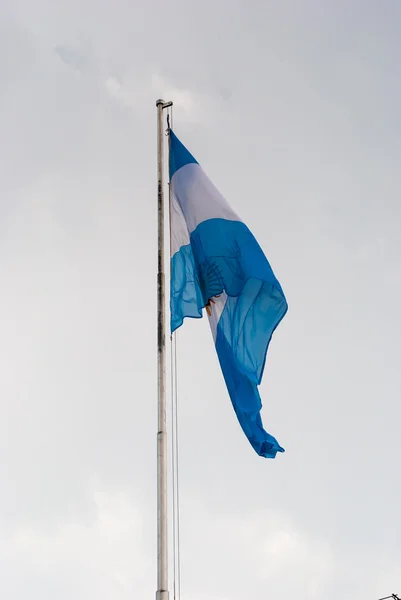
column 217, row 265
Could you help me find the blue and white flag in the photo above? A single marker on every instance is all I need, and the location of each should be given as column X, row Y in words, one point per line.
column 217, row 264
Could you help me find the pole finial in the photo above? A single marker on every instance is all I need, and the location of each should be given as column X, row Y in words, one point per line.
column 164, row 105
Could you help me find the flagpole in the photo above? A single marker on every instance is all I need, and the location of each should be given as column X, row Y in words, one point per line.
column 162, row 530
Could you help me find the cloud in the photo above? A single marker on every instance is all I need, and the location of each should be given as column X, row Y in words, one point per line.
column 103, row 559
column 73, row 57
column 253, row 551
column 305, row 147
column 110, row 554
column 136, row 92
column 289, row 551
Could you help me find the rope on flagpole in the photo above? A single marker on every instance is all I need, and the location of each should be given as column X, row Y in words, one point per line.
column 174, row 436
column 175, row 469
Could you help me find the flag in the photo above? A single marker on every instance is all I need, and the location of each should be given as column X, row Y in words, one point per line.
column 217, row 265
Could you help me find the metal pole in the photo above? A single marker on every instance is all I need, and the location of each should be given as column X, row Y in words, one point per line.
column 162, row 541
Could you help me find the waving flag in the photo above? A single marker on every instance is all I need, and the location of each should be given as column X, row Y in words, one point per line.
column 217, row 265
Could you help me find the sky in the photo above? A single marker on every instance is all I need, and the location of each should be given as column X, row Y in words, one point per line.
column 293, row 110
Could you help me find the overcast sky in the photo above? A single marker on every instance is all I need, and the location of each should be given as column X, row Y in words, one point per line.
column 293, row 109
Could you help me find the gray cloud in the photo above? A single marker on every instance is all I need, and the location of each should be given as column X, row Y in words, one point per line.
column 294, row 113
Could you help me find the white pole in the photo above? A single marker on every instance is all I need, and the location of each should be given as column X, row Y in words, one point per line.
column 162, row 541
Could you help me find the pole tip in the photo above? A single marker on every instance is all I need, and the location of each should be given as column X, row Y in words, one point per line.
column 159, row 101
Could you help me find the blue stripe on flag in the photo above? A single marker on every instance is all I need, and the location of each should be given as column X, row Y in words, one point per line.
column 245, row 399
column 179, row 155
column 185, row 295
column 224, row 256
